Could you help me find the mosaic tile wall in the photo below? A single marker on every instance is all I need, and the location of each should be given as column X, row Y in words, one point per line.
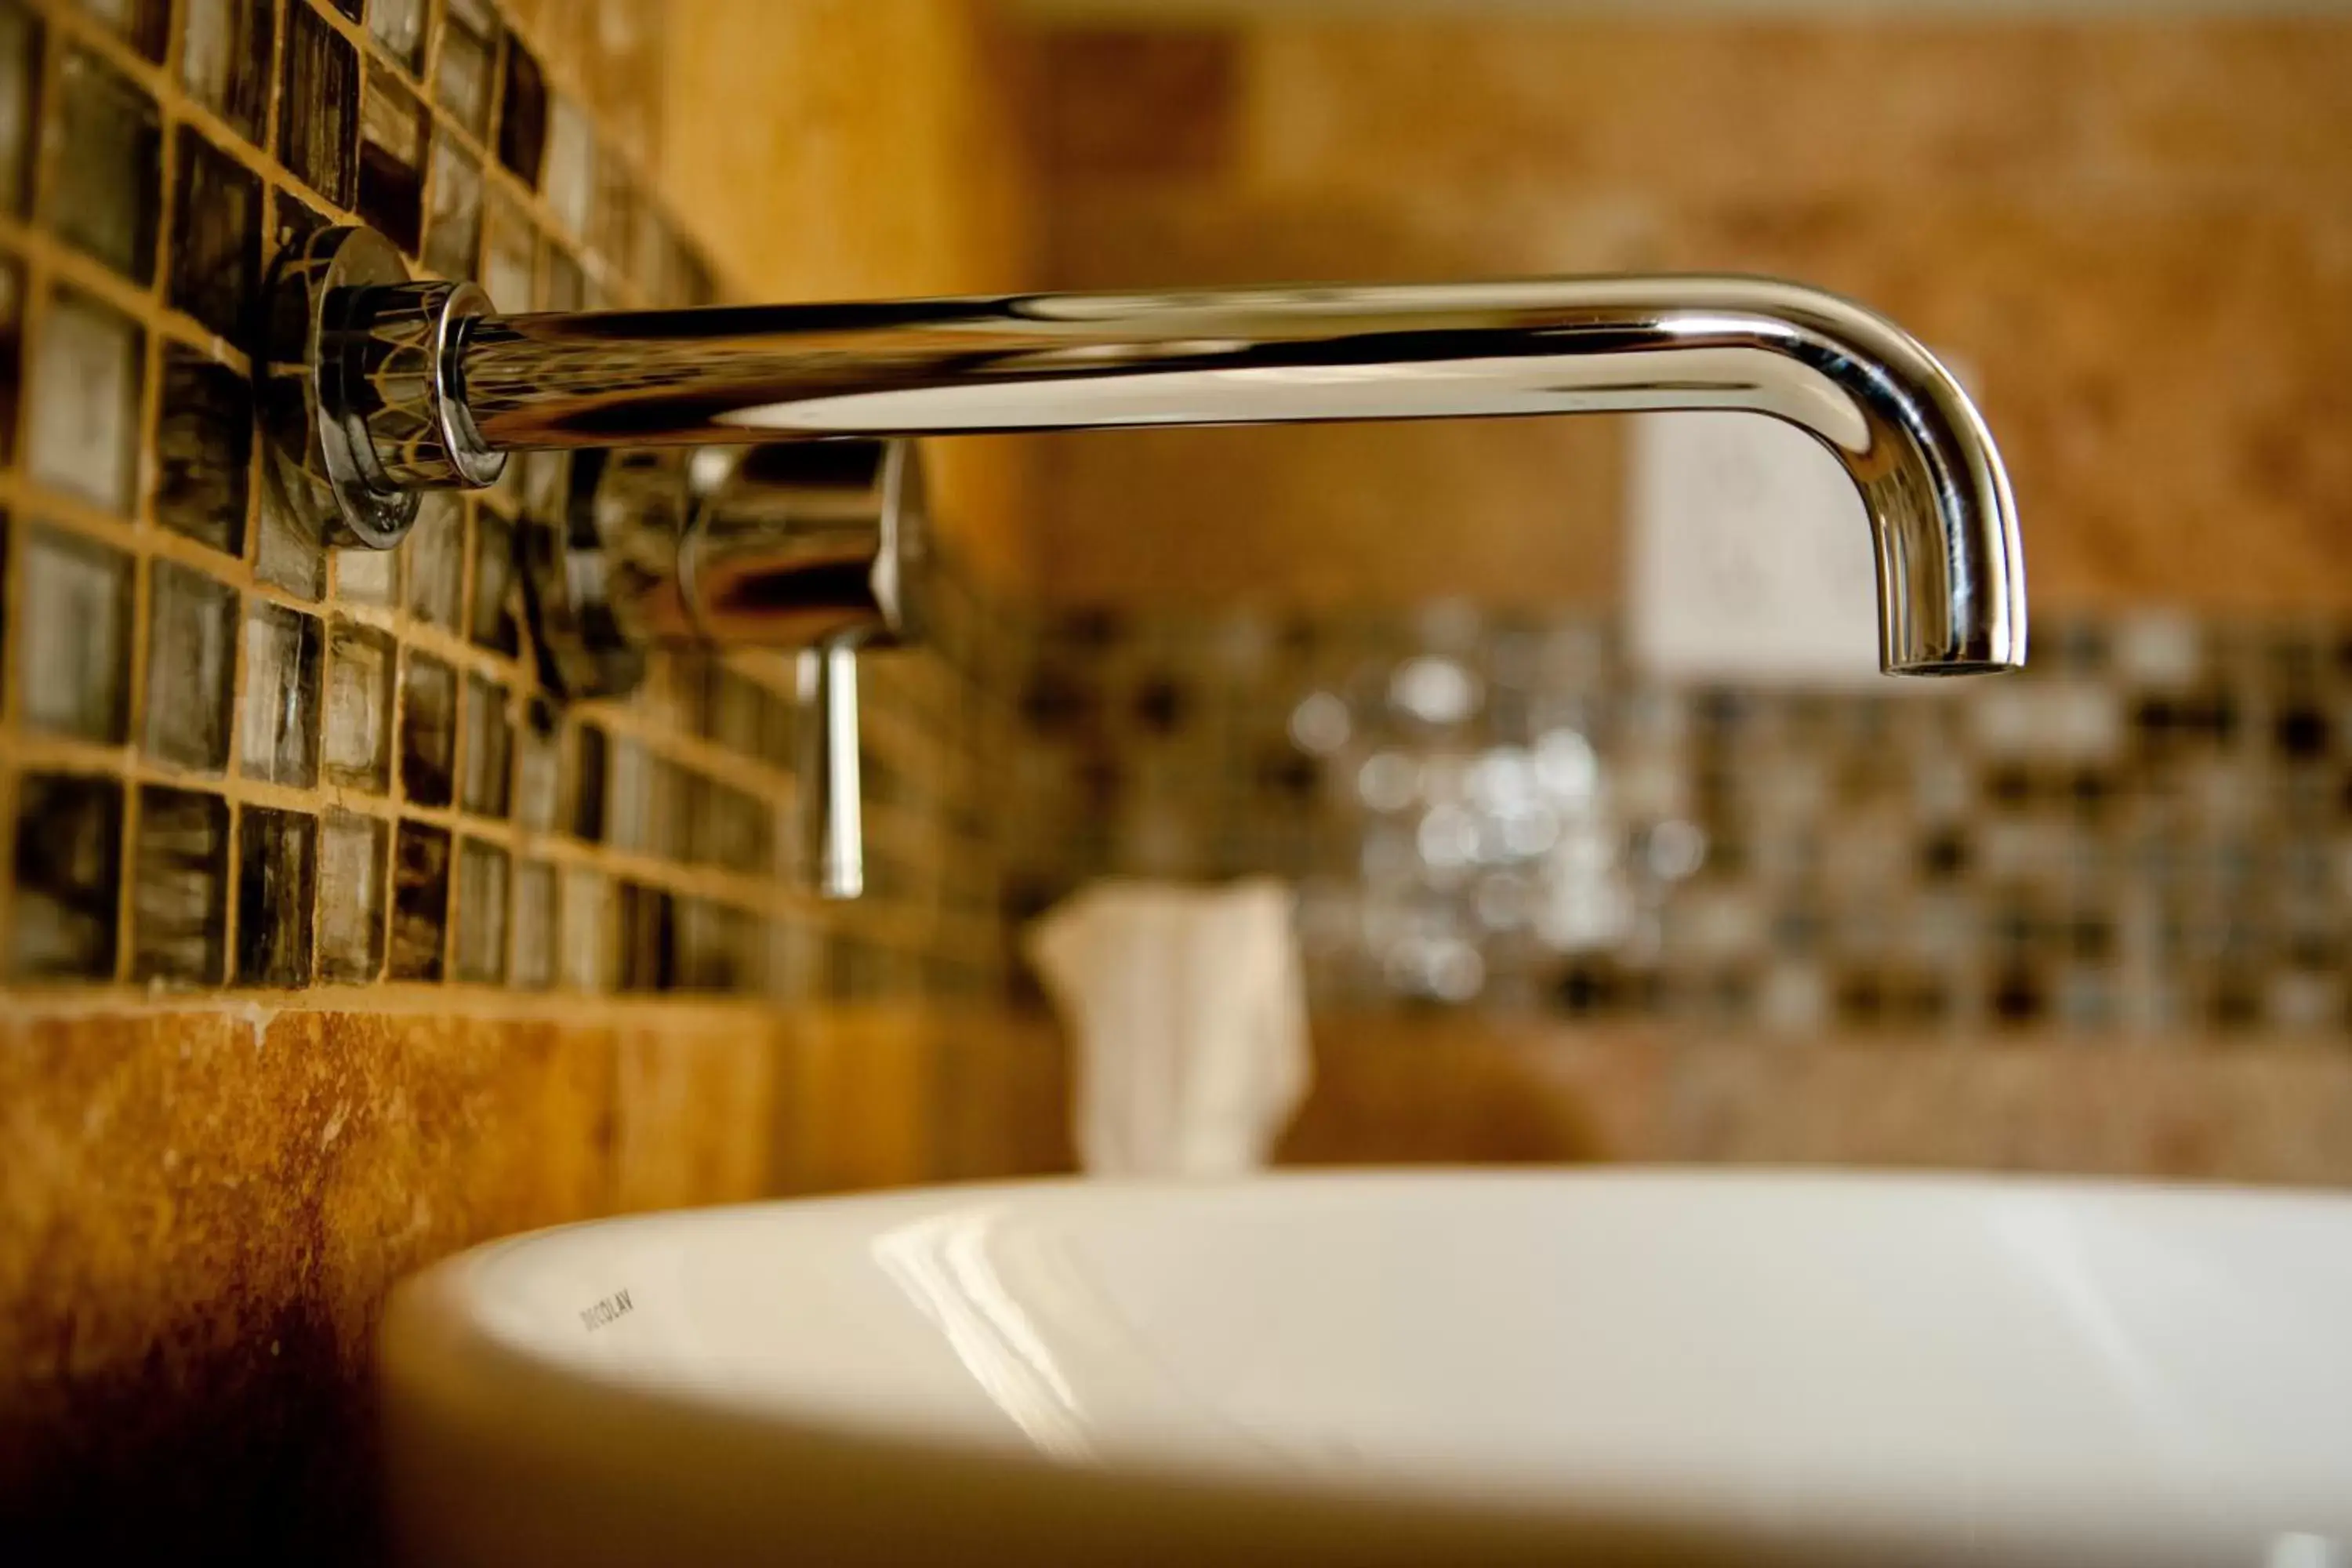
column 233, row 757
column 2148, row 832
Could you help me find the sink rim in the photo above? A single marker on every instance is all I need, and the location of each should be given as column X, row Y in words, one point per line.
column 440, row 1358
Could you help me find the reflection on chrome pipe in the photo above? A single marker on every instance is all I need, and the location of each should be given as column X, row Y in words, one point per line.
column 833, row 828
column 1950, row 571
column 797, row 543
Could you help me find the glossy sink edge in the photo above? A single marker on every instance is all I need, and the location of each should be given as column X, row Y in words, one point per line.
column 482, row 1427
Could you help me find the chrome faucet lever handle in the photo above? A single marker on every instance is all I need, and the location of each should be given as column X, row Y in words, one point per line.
column 832, row 813
column 820, row 547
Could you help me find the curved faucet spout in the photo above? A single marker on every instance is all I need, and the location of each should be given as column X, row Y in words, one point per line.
column 1950, row 571
column 376, row 386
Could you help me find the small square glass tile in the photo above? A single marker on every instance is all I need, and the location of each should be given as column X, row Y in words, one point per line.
column 629, row 798
column 292, row 551
column 567, row 286
column 391, row 159
column 611, row 216
column 545, row 483
column 82, row 434
column 106, row 192
column 453, row 241
column 318, row 117
column 216, row 237
column 534, row 925
column 69, row 876
column 12, row 340
column 489, row 748
column 738, row 707
column 280, row 714
column 357, row 744
column 510, row 261
column 571, row 166
column 225, row 52
column 645, row 922
column 469, row 47
column 352, row 902
column 369, row 576
column 481, row 914
column 420, row 901
column 522, row 115
column 399, row 26
column 74, row 653
column 179, row 888
column 203, row 450
column 538, row 774
column 428, row 731
column 585, row 934
column 20, row 77
column 436, row 547
column 142, row 24
column 277, row 870
column 191, row 665
column 590, row 752
column 495, row 622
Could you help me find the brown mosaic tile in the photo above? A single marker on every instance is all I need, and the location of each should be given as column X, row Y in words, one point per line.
column 203, row 447
column 469, row 47
column 110, row 138
column 279, row 723
column 318, row 121
column 373, row 577
column 489, row 748
column 217, row 237
column 522, row 116
column 570, row 180
column 226, row 49
column 590, row 769
column 192, row 639
column 399, row 26
column 20, row 80
column 291, row 553
column 178, row 882
column 510, row 258
column 276, row 890
column 81, row 435
column 538, row 770
column 420, row 901
column 73, row 651
column 454, row 241
column 428, row 731
column 67, row 877
column 353, row 898
column 435, row 548
column 392, row 136
column 586, row 962
column 12, row 333
column 357, row 747
column 495, row 620
column 533, row 926
column 145, row 25
column 482, row 908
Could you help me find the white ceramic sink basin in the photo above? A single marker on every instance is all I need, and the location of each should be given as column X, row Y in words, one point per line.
column 1395, row 1368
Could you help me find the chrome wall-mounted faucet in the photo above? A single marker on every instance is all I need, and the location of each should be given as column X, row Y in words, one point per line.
column 377, row 387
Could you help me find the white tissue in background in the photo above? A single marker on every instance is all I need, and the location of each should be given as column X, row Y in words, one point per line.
column 1188, row 1011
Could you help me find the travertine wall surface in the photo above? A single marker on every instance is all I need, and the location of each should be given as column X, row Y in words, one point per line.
column 2135, row 232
